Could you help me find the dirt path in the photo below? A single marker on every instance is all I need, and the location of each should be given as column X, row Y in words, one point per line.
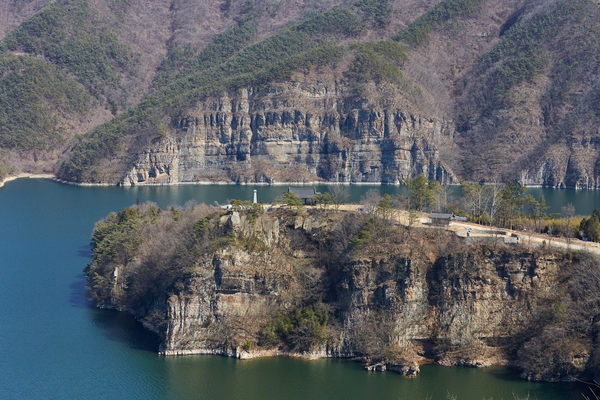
column 482, row 231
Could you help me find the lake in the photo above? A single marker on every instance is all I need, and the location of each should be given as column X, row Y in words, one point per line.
column 56, row 345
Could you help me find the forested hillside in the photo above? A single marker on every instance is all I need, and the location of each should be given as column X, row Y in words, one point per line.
column 351, row 91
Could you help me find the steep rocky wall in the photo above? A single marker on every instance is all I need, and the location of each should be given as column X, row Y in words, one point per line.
column 406, row 297
column 580, row 170
column 295, row 134
column 465, row 303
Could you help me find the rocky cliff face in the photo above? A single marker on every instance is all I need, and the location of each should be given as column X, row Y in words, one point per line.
column 295, row 134
column 464, row 305
column 399, row 299
column 489, row 91
column 234, row 291
column 580, row 171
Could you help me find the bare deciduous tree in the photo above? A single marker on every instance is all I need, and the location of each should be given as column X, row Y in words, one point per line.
column 339, row 195
column 370, row 200
column 568, row 212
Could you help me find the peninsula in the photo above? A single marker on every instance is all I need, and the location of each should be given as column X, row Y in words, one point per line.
column 318, row 283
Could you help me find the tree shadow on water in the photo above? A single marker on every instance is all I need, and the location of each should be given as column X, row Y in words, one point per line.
column 85, row 252
column 116, row 326
column 78, row 293
column 505, row 373
column 563, row 390
column 122, row 327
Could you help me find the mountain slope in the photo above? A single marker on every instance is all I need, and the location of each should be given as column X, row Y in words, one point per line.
column 527, row 109
column 509, row 89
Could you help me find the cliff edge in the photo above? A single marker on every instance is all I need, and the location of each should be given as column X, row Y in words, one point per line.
column 250, row 283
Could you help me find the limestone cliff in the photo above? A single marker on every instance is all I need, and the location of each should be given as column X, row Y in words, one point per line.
column 478, row 90
column 343, row 285
column 294, row 133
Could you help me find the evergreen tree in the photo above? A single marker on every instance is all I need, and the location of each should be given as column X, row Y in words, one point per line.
column 591, row 226
column 421, row 192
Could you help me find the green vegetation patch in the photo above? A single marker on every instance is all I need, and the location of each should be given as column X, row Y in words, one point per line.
column 146, row 249
column 222, row 46
column 5, row 167
column 363, row 236
column 522, row 54
column 590, row 227
column 417, row 33
column 70, row 34
column 377, row 62
column 533, row 31
column 34, row 96
column 522, row 67
column 378, row 11
column 302, row 329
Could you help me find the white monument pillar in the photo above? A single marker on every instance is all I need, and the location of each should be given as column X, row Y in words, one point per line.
column 254, row 200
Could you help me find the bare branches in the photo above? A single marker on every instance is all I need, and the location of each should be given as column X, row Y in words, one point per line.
column 339, row 195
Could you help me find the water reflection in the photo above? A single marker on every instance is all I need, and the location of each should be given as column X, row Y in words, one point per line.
column 85, row 252
column 55, row 345
column 196, row 377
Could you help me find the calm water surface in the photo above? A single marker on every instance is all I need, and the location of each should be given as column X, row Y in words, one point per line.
column 55, row 345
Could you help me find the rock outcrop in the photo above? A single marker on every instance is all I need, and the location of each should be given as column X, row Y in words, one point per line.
column 397, row 300
column 295, row 134
column 580, row 170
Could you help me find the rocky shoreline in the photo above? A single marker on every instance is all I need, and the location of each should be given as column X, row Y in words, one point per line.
column 231, row 183
column 321, row 284
column 24, row 175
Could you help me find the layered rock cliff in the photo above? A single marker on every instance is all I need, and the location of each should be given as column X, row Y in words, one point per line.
column 244, row 91
column 247, row 284
column 295, row 134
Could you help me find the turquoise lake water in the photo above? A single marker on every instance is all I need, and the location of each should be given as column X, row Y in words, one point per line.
column 55, row 345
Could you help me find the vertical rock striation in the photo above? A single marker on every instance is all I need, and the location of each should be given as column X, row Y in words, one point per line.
column 399, row 299
column 295, row 134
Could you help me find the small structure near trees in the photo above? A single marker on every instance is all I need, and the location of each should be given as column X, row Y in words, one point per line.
column 440, row 219
column 306, row 195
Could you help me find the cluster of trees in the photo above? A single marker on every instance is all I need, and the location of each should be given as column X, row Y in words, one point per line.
column 590, row 227
column 509, row 206
column 567, row 327
column 301, row 329
column 418, row 32
column 536, row 41
column 183, row 60
column 501, row 205
column 35, row 96
column 71, row 36
column 521, row 54
column 379, row 61
column 5, row 167
column 378, row 11
column 167, row 242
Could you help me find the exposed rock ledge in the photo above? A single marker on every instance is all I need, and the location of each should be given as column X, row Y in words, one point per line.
column 242, row 354
column 395, row 297
column 295, row 134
